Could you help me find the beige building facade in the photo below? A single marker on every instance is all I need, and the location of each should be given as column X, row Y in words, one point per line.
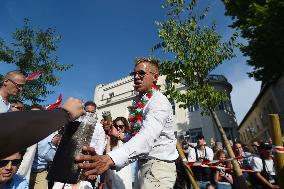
column 270, row 100
column 117, row 96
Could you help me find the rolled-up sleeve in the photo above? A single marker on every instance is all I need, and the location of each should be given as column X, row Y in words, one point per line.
column 142, row 143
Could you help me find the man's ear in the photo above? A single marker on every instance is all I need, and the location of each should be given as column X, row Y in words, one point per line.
column 156, row 77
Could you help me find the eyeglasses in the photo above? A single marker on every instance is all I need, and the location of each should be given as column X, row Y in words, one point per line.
column 19, row 86
column 141, row 73
column 119, row 126
column 15, row 162
column 20, row 108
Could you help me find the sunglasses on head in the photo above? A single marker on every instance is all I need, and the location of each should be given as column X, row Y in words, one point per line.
column 15, row 162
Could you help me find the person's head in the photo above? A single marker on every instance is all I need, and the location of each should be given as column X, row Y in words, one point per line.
column 121, row 124
column 210, row 186
column 36, row 107
column 13, row 83
column 90, row 107
column 200, row 140
column 9, row 166
column 146, row 73
column 255, row 146
column 238, row 148
column 265, row 150
column 221, row 155
column 17, row 106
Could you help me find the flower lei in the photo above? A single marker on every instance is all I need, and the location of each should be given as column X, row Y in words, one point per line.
column 136, row 110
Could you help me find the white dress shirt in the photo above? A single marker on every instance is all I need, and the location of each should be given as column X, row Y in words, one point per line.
column 99, row 139
column 155, row 139
column 208, row 155
column 4, row 106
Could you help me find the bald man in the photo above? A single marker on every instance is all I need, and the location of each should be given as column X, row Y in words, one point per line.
column 12, row 85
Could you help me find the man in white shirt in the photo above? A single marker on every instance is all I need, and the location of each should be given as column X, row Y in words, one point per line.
column 12, row 84
column 199, row 154
column 154, row 145
column 98, row 138
column 264, row 169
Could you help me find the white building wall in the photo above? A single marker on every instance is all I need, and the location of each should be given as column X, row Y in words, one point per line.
column 117, row 96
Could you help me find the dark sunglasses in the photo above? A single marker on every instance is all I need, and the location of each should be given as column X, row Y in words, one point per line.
column 119, row 126
column 141, row 73
column 15, row 162
column 19, row 108
column 17, row 84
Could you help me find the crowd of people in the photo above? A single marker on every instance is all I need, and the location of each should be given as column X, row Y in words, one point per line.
column 217, row 171
column 124, row 153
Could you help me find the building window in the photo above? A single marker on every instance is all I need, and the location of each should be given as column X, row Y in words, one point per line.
column 229, row 133
column 193, row 108
column 192, row 133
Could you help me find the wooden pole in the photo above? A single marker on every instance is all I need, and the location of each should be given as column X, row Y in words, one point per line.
column 240, row 180
column 187, row 167
column 276, row 136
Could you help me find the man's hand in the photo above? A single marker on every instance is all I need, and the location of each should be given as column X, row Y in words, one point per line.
column 56, row 139
column 74, row 107
column 93, row 164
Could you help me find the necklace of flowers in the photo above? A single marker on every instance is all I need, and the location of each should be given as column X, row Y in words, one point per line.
column 136, row 110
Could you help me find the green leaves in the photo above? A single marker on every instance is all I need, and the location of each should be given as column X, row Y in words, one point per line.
column 197, row 50
column 33, row 50
column 262, row 24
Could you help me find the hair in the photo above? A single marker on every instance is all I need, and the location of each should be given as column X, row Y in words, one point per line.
column 22, row 152
column 113, row 140
column 90, row 103
column 124, row 121
column 37, row 106
column 10, row 74
column 237, row 142
column 219, row 153
column 154, row 64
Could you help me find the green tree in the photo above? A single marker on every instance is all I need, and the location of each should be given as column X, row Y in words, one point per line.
column 261, row 22
column 196, row 50
column 32, row 50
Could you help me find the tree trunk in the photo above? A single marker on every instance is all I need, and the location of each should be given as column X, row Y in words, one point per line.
column 187, row 167
column 241, row 182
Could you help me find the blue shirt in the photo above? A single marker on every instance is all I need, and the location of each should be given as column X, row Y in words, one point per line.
column 44, row 153
column 17, row 182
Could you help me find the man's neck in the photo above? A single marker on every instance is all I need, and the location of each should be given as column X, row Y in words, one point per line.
column 4, row 95
column 201, row 147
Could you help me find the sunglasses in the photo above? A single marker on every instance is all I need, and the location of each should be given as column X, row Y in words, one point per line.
column 141, row 73
column 15, row 162
column 119, row 126
column 20, row 108
column 19, row 86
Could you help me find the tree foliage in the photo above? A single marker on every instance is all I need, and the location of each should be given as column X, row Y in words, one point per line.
column 261, row 22
column 32, row 50
column 196, row 49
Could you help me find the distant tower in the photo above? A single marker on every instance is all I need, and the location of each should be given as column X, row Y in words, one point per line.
column 203, row 124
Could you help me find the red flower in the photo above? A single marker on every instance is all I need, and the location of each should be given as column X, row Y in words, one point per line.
column 140, row 105
column 148, row 95
column 131, row 118
column 139, row 118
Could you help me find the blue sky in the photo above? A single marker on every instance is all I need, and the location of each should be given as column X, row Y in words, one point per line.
column 101, row 38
